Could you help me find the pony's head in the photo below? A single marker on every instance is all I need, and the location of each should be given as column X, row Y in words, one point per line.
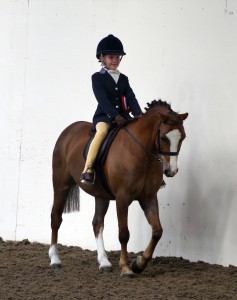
column 170, row 138
column 170, row 135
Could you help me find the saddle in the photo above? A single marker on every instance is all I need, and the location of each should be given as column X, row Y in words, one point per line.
column 100, row 159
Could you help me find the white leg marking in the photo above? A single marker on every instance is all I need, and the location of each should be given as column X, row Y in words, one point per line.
column 53, row 255
column 174, row 136
column 101, row 255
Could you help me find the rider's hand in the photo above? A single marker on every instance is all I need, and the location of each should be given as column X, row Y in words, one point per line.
column 121, row 121
column 138, row 116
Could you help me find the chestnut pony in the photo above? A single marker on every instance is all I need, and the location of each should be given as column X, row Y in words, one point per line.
column 141, row 152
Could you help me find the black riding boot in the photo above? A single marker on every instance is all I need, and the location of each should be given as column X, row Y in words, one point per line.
column 88, row 177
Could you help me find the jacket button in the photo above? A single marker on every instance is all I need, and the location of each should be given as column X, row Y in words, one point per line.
column 116, row 88
column 116, row 106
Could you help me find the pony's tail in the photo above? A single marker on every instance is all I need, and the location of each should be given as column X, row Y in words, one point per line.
column 73, row 199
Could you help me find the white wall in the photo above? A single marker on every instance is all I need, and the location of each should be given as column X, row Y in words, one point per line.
column 183, row 51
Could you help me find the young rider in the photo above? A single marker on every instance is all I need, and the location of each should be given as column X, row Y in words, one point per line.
column 115, row 99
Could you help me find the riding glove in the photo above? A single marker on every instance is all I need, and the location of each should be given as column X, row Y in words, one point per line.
column 121, row 121
column 138, row 116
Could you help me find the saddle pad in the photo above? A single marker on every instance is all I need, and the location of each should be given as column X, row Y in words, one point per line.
column 99, row 162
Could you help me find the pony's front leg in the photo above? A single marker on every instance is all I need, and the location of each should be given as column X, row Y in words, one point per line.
column 122, row 213
column 101, row 207
column 151, row 211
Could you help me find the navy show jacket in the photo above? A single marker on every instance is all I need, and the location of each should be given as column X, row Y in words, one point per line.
column 108, row 93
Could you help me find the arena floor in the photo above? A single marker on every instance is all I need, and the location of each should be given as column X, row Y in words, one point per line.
column 25, row 274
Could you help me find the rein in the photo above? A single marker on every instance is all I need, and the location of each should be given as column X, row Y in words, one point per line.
column 156, row 157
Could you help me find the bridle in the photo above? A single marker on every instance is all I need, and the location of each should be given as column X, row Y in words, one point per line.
column 169, row 153
column 160, row 152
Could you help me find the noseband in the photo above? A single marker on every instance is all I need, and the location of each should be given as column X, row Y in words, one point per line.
column 169, row 153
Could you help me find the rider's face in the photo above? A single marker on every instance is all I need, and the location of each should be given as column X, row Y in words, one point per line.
column 111, row 62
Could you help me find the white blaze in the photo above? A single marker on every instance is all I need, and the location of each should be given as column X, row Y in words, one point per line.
column 174, row 136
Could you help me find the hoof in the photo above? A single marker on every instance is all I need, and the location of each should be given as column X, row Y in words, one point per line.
column 56, row 266
column 135, row 267
column 129, row 275
column 105, row 269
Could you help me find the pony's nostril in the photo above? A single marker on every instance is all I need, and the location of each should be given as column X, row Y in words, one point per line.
column 168, row 173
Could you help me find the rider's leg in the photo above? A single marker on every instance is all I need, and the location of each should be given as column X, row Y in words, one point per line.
column 88, row 174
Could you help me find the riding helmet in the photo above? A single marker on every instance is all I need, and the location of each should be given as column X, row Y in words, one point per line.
column 110, row 45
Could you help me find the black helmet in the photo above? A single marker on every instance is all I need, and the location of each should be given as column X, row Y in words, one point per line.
column 110, row 45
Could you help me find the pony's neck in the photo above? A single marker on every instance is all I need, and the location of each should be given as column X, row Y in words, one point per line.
column 148, row 128
column 153, row 120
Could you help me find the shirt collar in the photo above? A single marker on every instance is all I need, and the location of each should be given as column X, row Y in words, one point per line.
column 111, row 71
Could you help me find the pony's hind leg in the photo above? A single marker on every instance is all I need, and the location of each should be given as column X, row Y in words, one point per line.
column 60, row 197
column 101, row 207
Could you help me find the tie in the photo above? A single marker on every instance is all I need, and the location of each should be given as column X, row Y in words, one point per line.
column 113, row 72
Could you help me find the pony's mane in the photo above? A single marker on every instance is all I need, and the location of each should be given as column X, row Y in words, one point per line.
column 156, row 103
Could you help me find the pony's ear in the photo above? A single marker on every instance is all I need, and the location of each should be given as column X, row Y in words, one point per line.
column 183, row 116
column 163, row 117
